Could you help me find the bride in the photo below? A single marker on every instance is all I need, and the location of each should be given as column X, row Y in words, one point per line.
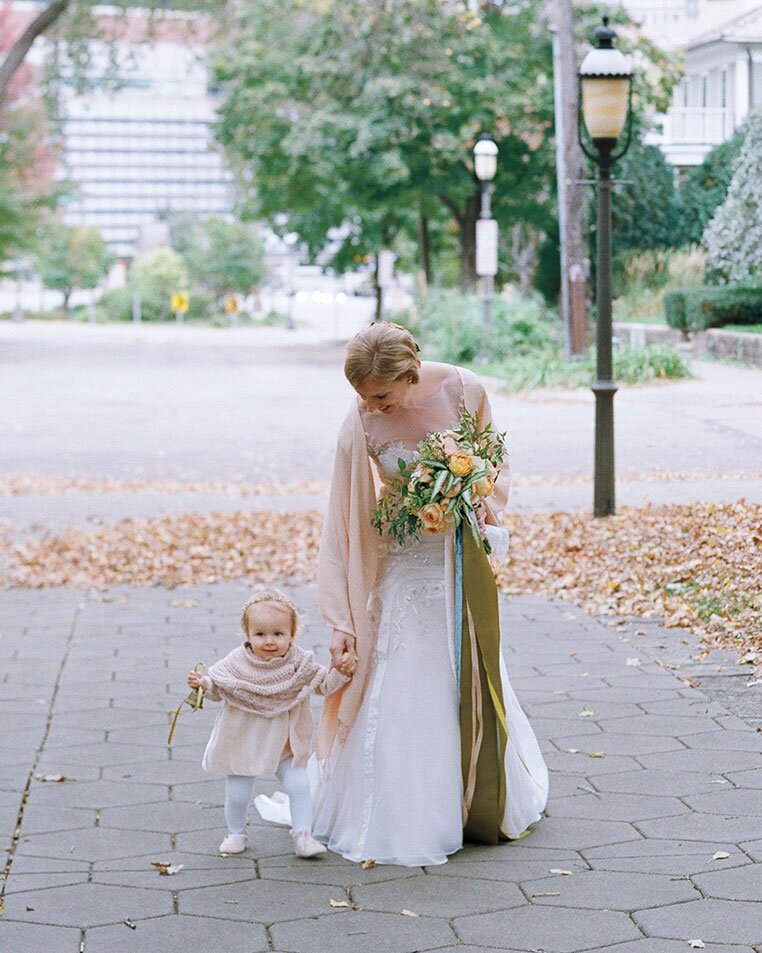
column 394, row 780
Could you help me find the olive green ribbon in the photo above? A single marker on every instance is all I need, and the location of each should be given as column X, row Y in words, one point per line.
column 483, row 727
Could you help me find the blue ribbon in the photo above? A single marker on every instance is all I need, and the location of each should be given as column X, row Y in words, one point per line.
column 458, row 600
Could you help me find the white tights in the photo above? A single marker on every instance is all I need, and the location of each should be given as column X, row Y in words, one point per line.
column 239, row 788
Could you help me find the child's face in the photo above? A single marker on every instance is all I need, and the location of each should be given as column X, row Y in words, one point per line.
column 270, row 630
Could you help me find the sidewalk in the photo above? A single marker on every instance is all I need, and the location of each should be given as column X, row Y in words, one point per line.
column 651, row 778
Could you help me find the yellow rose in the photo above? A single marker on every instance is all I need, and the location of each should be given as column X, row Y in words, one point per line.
column 432, row 515
column 485, row 486
column 460, row 464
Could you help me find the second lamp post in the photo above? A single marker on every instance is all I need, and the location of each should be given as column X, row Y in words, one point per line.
column 485, row 166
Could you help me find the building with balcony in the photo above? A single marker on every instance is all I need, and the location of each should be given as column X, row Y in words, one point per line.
column 722, row 83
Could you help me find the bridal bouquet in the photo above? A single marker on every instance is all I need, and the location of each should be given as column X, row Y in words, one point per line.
column 455, row 470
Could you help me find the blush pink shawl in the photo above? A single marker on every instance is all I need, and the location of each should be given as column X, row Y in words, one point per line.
column 349, row 557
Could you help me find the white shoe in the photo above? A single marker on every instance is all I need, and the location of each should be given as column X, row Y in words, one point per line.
column 305, row 845
column 233, row 844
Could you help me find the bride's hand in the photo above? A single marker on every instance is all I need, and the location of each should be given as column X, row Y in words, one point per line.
column 342, row 642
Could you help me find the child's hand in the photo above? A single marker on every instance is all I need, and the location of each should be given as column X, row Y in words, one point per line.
column 347, row 664
column 195, row 680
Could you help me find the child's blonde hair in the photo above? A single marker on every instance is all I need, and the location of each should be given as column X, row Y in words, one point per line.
column 269, row 594
column 384, row 351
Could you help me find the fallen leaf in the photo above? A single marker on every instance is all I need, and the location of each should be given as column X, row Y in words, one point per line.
column 634, row 662
column 749, row 658
column 166, row 869
column 339, row 903
column 52, row 777
column 128, row 923
column 697, row 944
column 560, row 872
column 184, row 603
column 595, row 754
column 554, row 894
column 368, row 864
column 586, row 713
column 721, row 855
column 573, row 750
column 409, row 913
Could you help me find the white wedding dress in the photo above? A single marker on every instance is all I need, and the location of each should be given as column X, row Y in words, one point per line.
column 392, row 791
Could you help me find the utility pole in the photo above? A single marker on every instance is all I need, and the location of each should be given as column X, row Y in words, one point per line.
column 572, row 206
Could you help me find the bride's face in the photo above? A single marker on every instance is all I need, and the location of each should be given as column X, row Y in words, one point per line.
column 383, row 396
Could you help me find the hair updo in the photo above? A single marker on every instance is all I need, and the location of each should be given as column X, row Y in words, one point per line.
column 384, row 351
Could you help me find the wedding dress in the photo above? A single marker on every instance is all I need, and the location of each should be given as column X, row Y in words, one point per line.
column 390, row 788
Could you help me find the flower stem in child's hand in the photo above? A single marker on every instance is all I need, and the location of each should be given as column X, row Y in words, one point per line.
column 194, row 700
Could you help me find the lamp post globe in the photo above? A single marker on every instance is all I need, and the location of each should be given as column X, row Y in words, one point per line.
column 485, row 159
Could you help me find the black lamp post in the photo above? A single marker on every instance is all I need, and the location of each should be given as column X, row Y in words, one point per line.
column 606, row 86
column 485, row 166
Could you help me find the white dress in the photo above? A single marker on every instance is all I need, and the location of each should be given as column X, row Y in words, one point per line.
column 393, row 790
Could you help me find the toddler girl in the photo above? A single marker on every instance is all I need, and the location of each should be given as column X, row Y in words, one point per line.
column 265, row 724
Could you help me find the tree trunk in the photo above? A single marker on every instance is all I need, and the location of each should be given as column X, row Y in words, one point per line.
column 17, row 53
column 467, row 237
column 66, row 296
column 573, row 215
column 424, row 245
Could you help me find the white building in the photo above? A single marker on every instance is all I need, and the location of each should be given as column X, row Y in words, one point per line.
column 723, row 81
column 147, row 148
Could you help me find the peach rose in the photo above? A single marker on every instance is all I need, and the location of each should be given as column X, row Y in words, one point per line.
column 454, row 490
column 450, row 446
column 485, row 486
column 460, row 464
column 432, row 515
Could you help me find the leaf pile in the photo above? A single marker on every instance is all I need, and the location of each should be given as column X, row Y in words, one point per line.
column 171, row 550
column 697, row 565
column 24, row 484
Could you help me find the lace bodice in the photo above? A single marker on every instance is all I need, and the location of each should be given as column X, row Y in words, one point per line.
column 390, row 437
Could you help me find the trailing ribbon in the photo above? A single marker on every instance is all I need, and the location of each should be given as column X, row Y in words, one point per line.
column 458, row 599
column 483, row 726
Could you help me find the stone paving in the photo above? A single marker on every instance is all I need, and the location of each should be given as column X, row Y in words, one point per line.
column 656, row 774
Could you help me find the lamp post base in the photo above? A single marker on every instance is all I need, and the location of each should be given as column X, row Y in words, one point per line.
column 604, row 501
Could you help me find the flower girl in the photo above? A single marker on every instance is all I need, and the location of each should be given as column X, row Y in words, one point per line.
column 265, row 724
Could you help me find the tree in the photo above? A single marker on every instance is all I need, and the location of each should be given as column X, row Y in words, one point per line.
column 155, row 276
column 705, row 187
column 733, row 237
column 68, row 258
column 226, row 257
column 363, row 116
column 27, row 159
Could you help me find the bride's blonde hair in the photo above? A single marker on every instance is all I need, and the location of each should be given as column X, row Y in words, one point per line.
column 384, row 351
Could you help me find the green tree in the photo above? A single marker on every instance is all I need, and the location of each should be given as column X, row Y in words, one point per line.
column 362, row 117
column 733, row 237
column 155, row 276
column 705, row 187
column 67, row 258
column 226, row 257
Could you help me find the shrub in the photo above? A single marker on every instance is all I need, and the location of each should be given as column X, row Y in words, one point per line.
column 155, row 275
column 201, row 306
column 674, row 310
column 114, row 305
column 450, row 326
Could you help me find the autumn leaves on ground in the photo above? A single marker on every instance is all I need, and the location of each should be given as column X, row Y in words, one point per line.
column 695, row 565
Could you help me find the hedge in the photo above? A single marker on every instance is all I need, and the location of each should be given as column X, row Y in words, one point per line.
column 697, row 309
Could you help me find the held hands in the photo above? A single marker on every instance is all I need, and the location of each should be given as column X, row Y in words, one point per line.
column 343, row 652
column 347, row 664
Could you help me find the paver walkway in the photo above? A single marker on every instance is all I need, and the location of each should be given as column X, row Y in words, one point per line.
column 651, row 778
